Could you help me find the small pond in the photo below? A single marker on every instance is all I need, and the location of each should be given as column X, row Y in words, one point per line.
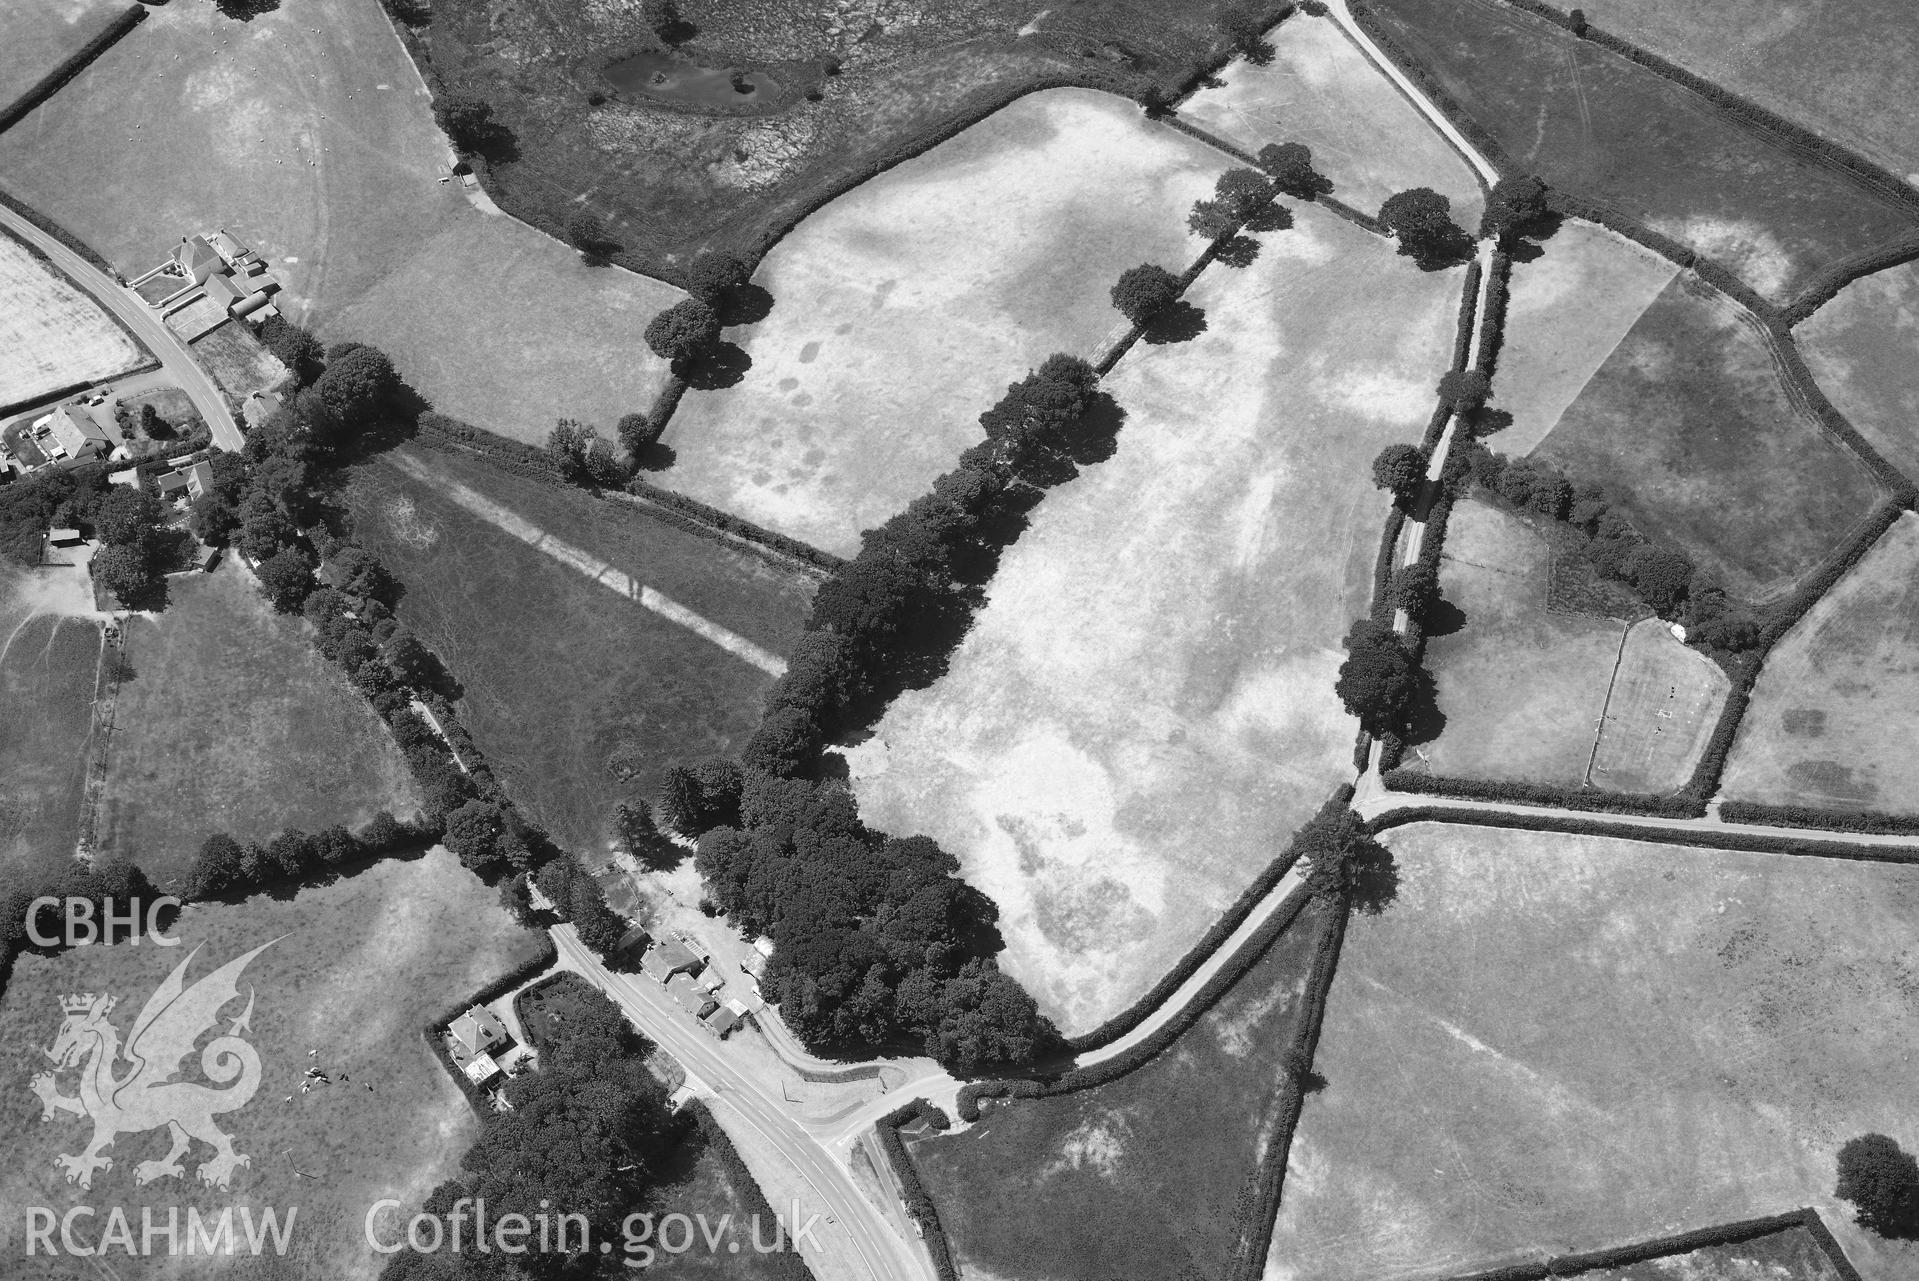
column 670, row 79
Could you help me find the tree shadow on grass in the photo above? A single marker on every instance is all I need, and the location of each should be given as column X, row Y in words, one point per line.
column 1441, row 253
column 1181, row 322
column 1372, row 879
column 1528, row 245
column 1094, row 436
column 1443, row 618
column 1424, row 721
column 655, row 456
column 746, row 304
column 724, row 366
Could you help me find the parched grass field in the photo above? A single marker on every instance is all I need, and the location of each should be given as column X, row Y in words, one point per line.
column 231, row 722
column 1689, row 423
column 1143, row 713
column 1321, row 90
column 1156, row 1165
column 1590, row 121
column 1522, row 686
column 1551, row 1044
column 1836, row 709
column 51, row 334
column 42, row 32
column 354, row 969
column 1847, row 69
column 561, row 672
column 49, row 662
column 1665, row 700
column 904, row 308
column 1860, row 349
column 1566, row 312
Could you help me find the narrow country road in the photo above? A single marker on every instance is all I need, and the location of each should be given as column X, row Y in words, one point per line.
column 1343, row 16
column 144, row 322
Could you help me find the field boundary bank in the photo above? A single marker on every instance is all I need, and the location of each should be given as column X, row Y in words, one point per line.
column 1570, row 1265
column 71, row 66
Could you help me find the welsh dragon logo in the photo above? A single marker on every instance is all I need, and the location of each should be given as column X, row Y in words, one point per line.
column 143, row 1095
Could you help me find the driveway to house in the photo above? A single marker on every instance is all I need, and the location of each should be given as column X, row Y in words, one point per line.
column 144, row 322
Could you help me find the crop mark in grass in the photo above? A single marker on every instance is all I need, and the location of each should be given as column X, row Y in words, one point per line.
column 613, row 579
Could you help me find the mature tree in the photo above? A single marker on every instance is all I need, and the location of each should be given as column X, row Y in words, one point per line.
column 217, row 868
column 1465, row 389
column 1400, row 468
column 599, row 927
column 639, row 835
column 1212, row 220
column 1517, row 201
column 679, row 801
column 1344, row 864
column 467, row 119
column 517, row 898
column 295, row 347
column 358, row 572
column 1379, row 677
column 1422, row 220
column 286, row 577
column 787, row 741
column 412, row 662
column 1882, row 1182
column 986, row 1019
column 474, row 832
column 1291, row 167
column 710, row 276
column 638, row 432
column 1661, row 574
column 126, row 517
column 1415, row 588
column 1145, row 291
column 1246, row 29
column 357, row 383
column 683, row 331
column 123, row 570
column 570, row 444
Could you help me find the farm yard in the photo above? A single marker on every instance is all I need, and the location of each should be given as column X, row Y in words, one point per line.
column 1143, row 712
column 1836, row 707
column 1661, row 709
column 1522, row 686
column 353, row 969
column 1158, row 1164
column 52, row 336
column 1320, row 90
column 578, row 695
column 1688, row 422
column 1596, row 124
column 230, row 722
column 49, row 665
column 40, row 34
column 1584, row 1042
column 1859, row 347
column 1566, row 313
column 903, row 309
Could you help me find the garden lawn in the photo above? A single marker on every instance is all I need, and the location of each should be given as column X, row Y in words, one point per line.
column 48, row 664
column 1846, row 69
column 1860, row 349
column 1521, row 686
column 561, row 672
column 1551, row 1044
column 1836, row 709
column 1158, row 1164
column 1594, row 123
column 232, row 722
column 1321, row 90
column 52, row 335
column 355, row 969
column 1688, row 423
column 1566, row 311
column 1143, row 713
column 1663, row 705
column 903, row 309
column 40, row 33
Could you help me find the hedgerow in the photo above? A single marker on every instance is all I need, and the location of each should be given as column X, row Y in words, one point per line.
column 1825, row 286
column 70, row 66
column 58, row 232
column 1523, row 793
column 1870, row 822
column 1493, row 324
column 1569, row 1265
column 919, row 1205
column 1695, row 837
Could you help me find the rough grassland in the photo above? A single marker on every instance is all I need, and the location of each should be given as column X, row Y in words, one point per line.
column 1554, row 1043
column 42, row 32
column 1860, row 348
column 1321, row 91
column 510, row 331
column 48, row 664
column 904, row 308
column 358, row 967
column 1847, row 69
column 232, row 723
column 1588, row 120
column 238, row 361
column 1521, row 687
column 1143, row 712
column 1086, row 1186
column 51, row 334
column 1836, row 710
column 1566, row 312
column 1687, row 420
column 560, row 672
column 1664, row 702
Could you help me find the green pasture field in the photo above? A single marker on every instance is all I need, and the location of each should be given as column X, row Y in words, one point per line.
column 1143, row 713
column 671, row 183
column 1790, row 1255
column 1155, row 1165
column 1522, row 687
column 1321, row 90
column 231, row 722
column 1688, row 423
column 1847, row 69
column 1860, row 349
column 1565, row 313
column 49, row 662
column 51, row 334
column 238, row 361
column 354, row 970
column 1592, row 122
column 1550, row 1044
column 903, row 309
column 1836, row 709
column 559, row 672
column 42, row 32
column 1665, row 700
